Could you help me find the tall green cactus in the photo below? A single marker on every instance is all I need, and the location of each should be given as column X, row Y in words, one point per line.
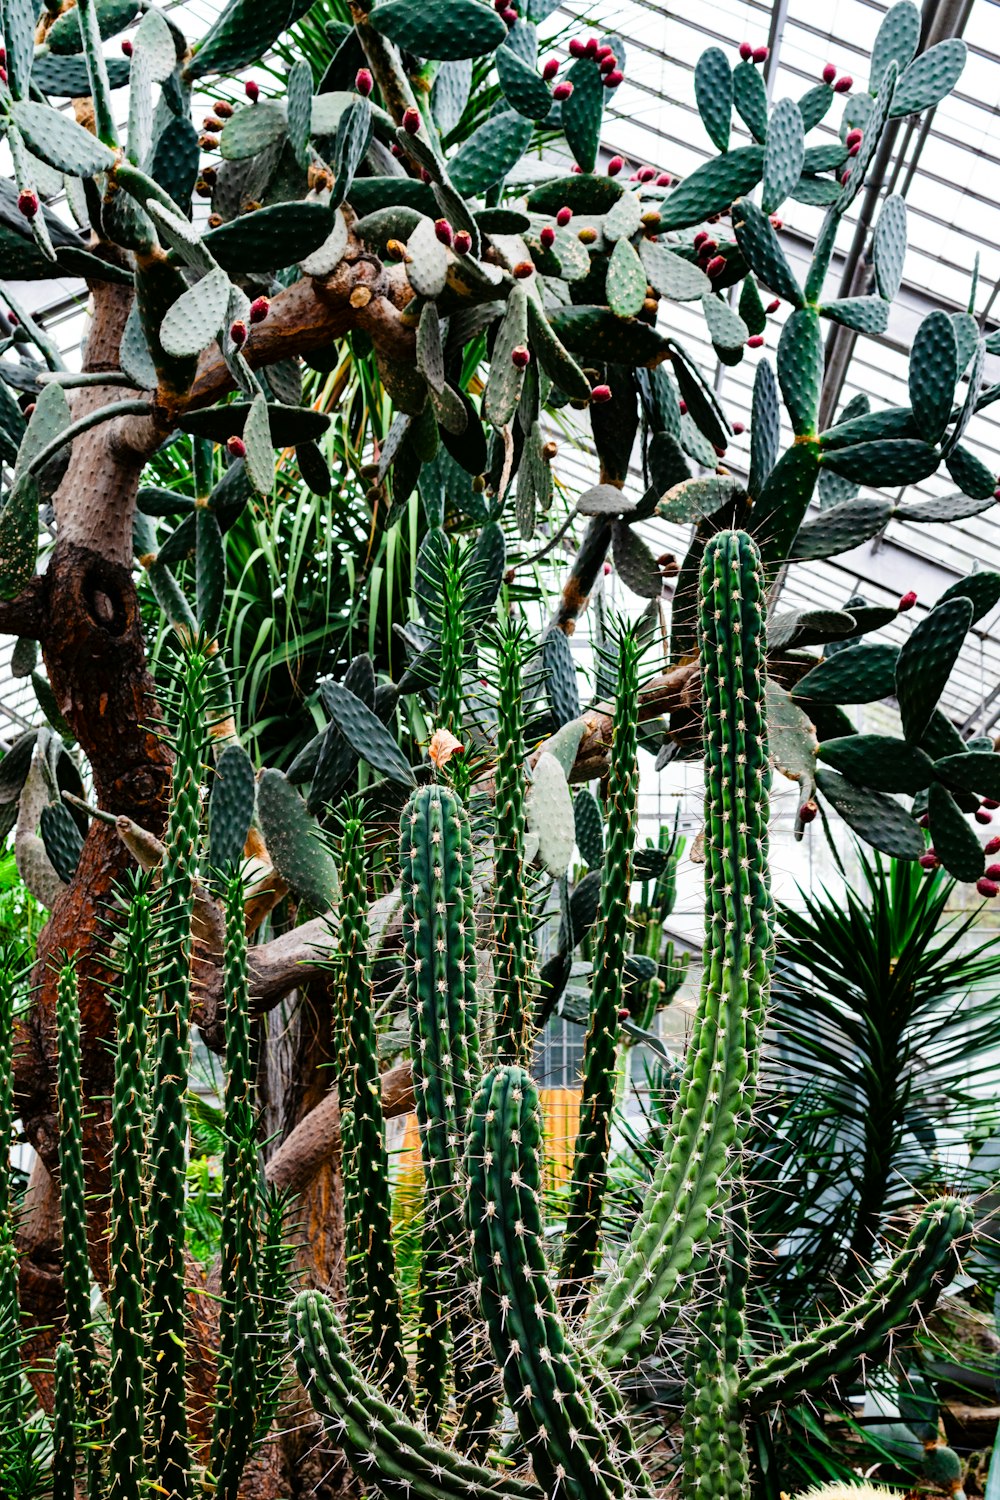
column 511, row 916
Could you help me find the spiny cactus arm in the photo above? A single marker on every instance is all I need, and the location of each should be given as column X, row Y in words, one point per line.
column 12, row 963
column 276, row 1256
column 126, row 1371
column 12, row 1404
column 439, row 939
column 64, row 1425
column 236, row 1405
column 511, row 919
column 166, row 1358
column 373, row 1296
column 453, row 655
column 72, row 1189
column 680, row 1221
column 432, row 1329
column 593, row 1142
column 911, row 1281
column 543, row 1379
column 385, row 1450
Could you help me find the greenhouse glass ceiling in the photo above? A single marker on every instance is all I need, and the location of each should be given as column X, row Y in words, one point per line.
column 948, row 168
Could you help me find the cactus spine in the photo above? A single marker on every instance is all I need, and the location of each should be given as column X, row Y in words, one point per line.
column 590, row 1165
column 511, row 920
column 126, row 1373
column 371, row 1269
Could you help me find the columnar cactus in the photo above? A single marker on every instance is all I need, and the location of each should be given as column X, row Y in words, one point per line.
column 511, row 915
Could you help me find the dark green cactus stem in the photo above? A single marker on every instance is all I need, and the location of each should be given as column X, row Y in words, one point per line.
column 126, row 1372
column 11, row 962
column 433, row 1340
column 680, row 1221
column 276, row 1256
column 236, row 1393
column 384, row 1449
column 373, row 1297
column 165, row 1351
column 64, row 1416
column 15, row 1439
column 927, row 1261
column 590, row 1163
column 453, row 654
column 511, row 918
column 545, row 1384
column 72, row 1201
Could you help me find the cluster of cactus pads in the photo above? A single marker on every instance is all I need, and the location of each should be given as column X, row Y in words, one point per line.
column 496, row 287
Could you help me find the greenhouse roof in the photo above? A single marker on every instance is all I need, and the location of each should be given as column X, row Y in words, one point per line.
column 947, row 165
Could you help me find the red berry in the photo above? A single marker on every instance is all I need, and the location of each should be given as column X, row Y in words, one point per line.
column 396, row 149
column 208, row 142
column 223, row 109
column 252, row 90
column 615, row 165
column 577, row 48
column 720, row 451
column 3, row 74
column 550, row 69
column 646, row 174
column 986, row 887
column 929, row 861
column 844, row 177
column 700, row 238
column 13, row 319
column 853, row 150
column 600, row 394
column 709, row 247
column 608, row 64
column 772, row 307
column 444, row 231
column 127, row 47
column 411, row 120
column 612, row 80
column 576, row 168
column 808, row 811
column 364, row 82
column 755, row 341
column 844, row 85
column 509, row 15
column 27, row 202
column 664, row 179
column 992, row 846
column 760, row 54
column 907, row 602
column 425, row 175
column 563, row 90
column 716, row 266
column 520, row 357
column 991, row 802
column 563, row 216
column 683, row 406
column 211, row 123
column 592, row 46
column 746, row 51
column 238, row 332
column 523, row 270
column 993, row 872
column 603, row 52
column 259, row 309
column 236, row 447
column 547, row 236
column 739, row 428
column 776, row 223
column 982, row 816
column 829, row 73
column 463, row 242
column 3, row 57
column 854, row 137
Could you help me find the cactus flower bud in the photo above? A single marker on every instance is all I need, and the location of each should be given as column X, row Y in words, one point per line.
column 982, row 816
column 700, row 238
column 577, row 48
column 612, row 80
column 808, row 811
column 411, row 120
column 844, row 85
column 746, row 51
column 853, row 150
column 615, row 165
column 223, row 109
column 716, row 266
column 523, row 270
column 547, row 236
column 364, row 82
column 772, row 306
column 607, row 569
column 444, row 231
column 587, row 235
column 605, row 51
column 3, row 57
column 600, row 393
column 739, row 428
column 12, row 318
column 664, row 179
column 27, row 203
column 127, row 47
column 929, row 861
column 259, row 309
column 425, row 175
column 608, row 63
column 755, row 341
column 760, row 54
column 463, row 242
column 992, row 846
column 520, row 357
column 509, row 15
column 576, row 169
column 682, row 407
column 991, row 803
column 252, row 90
column 592, row 46
column 776, row 223
column 993, row 872
column 708, row 248
column 987, row 888
column 238, row 333
column 3, row 74
column 829, row 73
column 908, row 600
column 854, row 137
column 720, row 451
column 563, row 90
column 236, row 447
column 646, row 174
column 550, row 68
column 563, row 216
